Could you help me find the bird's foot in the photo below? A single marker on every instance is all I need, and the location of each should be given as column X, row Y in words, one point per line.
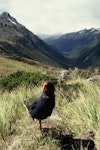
column 44, row 131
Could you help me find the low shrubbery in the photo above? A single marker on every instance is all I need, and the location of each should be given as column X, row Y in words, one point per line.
column 20, row 78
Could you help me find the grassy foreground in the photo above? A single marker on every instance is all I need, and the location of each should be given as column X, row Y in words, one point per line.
column 79, row 117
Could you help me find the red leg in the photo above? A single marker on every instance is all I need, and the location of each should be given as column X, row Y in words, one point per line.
column 40, row 124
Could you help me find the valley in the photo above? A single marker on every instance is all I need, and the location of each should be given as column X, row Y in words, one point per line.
column 26, row 62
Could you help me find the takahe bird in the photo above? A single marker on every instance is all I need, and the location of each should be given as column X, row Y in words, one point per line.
column 43, row 107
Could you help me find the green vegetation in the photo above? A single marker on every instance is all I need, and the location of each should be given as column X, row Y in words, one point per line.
column 8, row 65
column 80, row 117
column 77, row 112
column 20, row 78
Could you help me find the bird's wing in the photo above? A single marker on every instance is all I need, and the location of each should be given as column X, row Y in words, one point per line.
column 40, row 108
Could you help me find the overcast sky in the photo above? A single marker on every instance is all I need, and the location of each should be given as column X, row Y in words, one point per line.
column 54, row 16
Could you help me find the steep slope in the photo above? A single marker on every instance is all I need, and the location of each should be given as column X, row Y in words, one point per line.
column 89, row 57
column 82, row 48
column 16, row 39
column 75, row 40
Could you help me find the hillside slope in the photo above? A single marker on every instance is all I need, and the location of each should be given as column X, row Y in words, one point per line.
column 72, row 41
column 17, row 39
column 10, row 64
column 89, row 57
column 81, row 47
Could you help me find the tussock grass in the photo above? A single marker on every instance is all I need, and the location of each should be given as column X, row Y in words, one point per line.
column 85, row 111
column 80, row 117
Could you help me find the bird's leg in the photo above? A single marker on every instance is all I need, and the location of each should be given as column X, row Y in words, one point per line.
column 43, row 132
column 40, row 125
column 32, row 120
column 41, row 128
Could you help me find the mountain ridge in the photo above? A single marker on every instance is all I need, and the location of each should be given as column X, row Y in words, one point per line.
column 17, row 39
column 68, row 50
column 69, row 41
column 78, row 46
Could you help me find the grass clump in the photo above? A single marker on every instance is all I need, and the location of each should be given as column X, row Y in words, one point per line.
column 71, row 90
column 10, row 111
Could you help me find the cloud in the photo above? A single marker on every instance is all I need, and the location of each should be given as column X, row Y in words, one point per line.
column 54, row 16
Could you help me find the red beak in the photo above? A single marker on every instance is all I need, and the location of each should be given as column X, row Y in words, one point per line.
column 44, row 87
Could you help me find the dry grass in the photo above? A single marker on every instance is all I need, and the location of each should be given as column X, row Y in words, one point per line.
column 9, row 65
column 80, row 117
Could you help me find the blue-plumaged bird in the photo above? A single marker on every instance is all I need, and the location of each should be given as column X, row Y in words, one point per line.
column 43, row 107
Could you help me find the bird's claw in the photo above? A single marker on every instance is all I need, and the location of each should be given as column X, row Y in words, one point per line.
column 44, row 132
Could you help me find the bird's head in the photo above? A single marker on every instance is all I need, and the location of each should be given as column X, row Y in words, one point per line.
column 45, row 87
column 48, row 87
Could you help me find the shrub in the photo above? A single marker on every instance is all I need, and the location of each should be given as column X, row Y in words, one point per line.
column 20, row 78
